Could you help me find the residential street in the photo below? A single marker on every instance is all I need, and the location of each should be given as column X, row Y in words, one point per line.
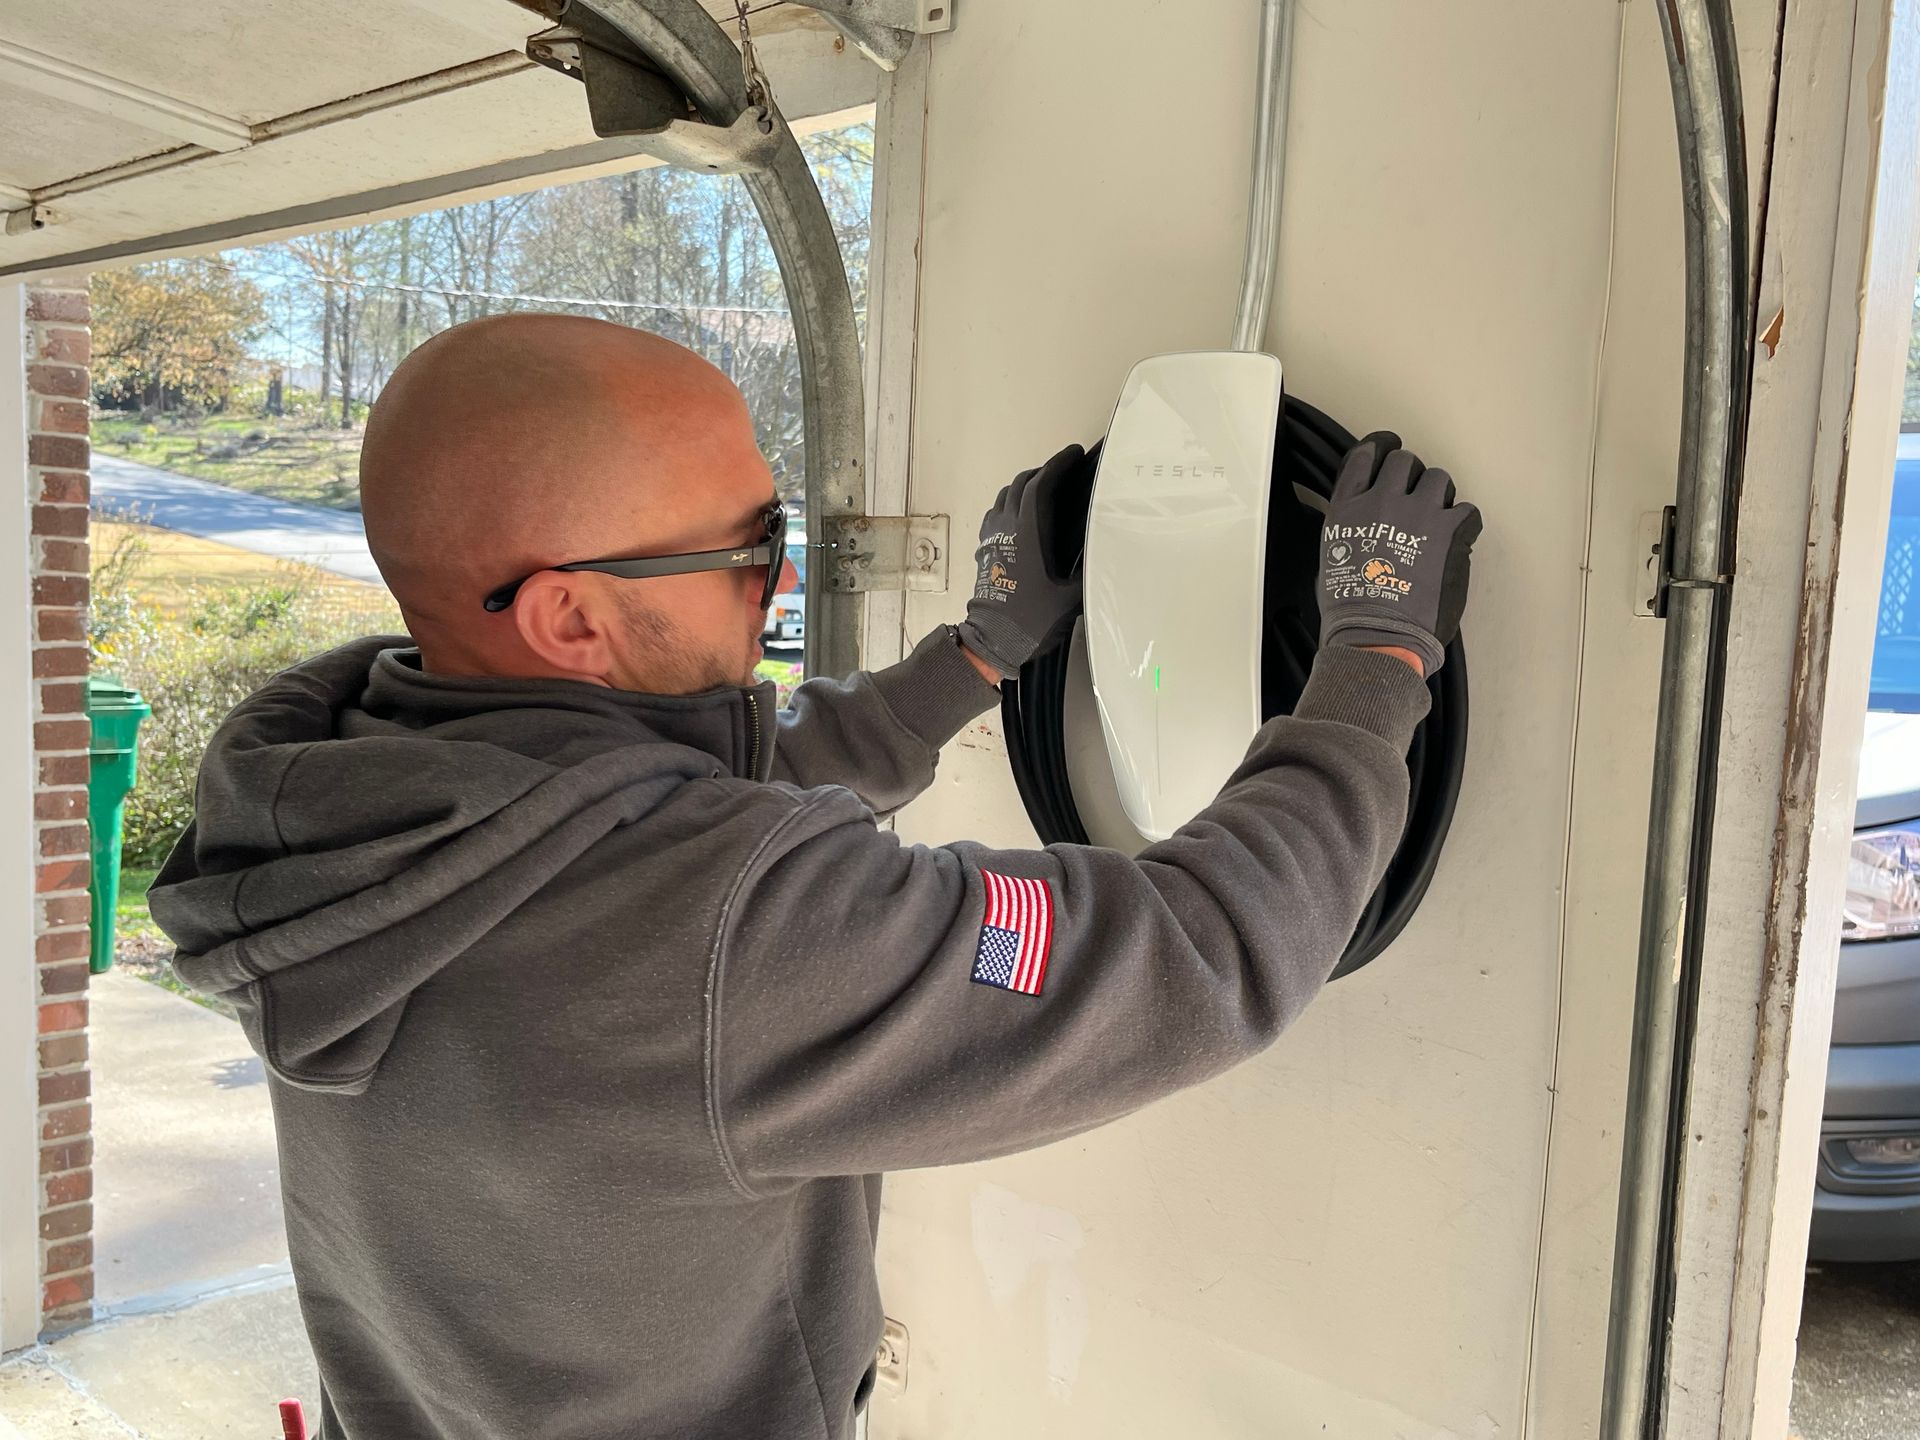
column 332, row 540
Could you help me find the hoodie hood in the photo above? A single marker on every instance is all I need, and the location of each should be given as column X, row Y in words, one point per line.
column 359, row 824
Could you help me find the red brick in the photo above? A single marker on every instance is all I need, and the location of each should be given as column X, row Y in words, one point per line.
column 69, row 521
column 59, row 875
column 64, row 417
column 58, row 840
column 58, row 699
column 60, row 805
column 63, row 452
column 70, row 1188
column 58, row 945
column 66, row 1222
column 62, row 735
column 68, row 305
column 69, row 1292
column 65, row 1050
column 70, row 1255
column 50, row 661
column 65, row 346
column 66, row 1121
column 59, row 1089
column 65, row 487
column 59, row 589
column 69, row 1155
column 63, row 978
column 65, row 380
column 63, row 557
column 63, row 625
column 60, row 1016
column 68, row 979
column 64, row 909
column 64, row 770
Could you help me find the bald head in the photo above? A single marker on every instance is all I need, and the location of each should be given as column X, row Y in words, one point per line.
column 519, row 442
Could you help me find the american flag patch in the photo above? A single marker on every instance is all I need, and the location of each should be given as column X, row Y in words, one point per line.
column 1017, row 934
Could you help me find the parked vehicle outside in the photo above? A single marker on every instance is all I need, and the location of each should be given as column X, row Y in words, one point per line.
column 1867, row 1201
column 787, row 616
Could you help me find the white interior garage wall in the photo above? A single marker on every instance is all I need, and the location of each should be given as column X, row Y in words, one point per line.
column 1400, row 1222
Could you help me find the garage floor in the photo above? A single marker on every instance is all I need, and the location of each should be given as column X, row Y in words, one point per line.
column 1859, row 1373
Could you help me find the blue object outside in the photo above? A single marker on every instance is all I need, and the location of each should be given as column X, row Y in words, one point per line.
column 1896, row 648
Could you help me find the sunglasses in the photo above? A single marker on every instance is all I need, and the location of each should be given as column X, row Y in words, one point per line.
column 771, row 551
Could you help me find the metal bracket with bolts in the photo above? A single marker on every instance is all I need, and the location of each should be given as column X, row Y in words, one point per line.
column 890, row 1362
column 627, row 96
column 884, row 552
column 884, row 30
column 31, row 218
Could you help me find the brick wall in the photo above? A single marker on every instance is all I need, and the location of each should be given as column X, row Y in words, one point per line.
column 57, row 354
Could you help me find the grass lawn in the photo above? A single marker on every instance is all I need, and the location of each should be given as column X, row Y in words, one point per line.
column 175, row 569
column 287, row 459
column 131, row 920
column 139, row 946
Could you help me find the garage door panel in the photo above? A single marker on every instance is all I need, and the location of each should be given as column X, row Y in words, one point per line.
column 515, row 129
column 268, row 58
column 43, row 140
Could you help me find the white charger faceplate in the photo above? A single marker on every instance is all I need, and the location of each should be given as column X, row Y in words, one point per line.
column 1175, row 577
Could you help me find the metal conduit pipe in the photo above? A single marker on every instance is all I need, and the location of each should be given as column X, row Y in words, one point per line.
column 1269, row 174
column 1703, row 62
column 689, row 46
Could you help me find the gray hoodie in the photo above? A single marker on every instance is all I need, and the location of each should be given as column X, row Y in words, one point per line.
column 591, row 1016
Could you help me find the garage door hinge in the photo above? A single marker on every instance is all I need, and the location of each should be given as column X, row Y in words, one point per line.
column 884, row 552
column 1663, row 562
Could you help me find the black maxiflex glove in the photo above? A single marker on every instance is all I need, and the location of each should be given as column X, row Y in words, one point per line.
column 1027, row 590
column 1394, row 553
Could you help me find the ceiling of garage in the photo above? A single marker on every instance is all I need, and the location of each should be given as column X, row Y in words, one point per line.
column 154, row 126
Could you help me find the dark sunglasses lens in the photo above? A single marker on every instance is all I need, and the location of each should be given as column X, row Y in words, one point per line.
column 776, row 553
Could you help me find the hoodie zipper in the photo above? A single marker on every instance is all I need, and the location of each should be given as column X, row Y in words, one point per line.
column 753, row 735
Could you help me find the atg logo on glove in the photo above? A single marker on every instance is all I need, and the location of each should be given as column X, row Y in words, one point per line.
column 1380, row 572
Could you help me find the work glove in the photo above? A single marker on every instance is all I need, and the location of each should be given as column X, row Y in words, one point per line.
column 1394, row 553
column 1026, row 590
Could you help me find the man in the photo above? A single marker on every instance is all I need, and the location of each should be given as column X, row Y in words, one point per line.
column 593, row 995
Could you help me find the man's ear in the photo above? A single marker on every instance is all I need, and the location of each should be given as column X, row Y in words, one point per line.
column 561, row 619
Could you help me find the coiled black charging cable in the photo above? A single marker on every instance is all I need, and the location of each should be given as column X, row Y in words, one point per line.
column 1033, row 708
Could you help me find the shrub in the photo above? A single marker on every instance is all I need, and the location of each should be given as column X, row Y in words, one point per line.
column 195, row 663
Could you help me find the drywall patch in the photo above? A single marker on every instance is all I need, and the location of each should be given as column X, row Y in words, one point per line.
column 1012, row 1236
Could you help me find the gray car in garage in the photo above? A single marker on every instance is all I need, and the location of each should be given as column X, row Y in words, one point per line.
column 1867, row 1201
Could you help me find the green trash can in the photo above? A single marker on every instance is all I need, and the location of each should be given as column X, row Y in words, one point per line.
column 115, row 712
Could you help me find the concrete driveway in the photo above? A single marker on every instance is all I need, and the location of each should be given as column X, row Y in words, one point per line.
column 186, row 1176
column 1859, row 1371
column 199, row 1330
column 332, row 540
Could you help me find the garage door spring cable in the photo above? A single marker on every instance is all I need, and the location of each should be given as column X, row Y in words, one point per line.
column 758, row 91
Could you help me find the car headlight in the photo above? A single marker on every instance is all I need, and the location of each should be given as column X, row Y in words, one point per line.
column 1883, row 885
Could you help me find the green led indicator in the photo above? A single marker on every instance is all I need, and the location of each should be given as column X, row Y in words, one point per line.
column 1156, row 677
